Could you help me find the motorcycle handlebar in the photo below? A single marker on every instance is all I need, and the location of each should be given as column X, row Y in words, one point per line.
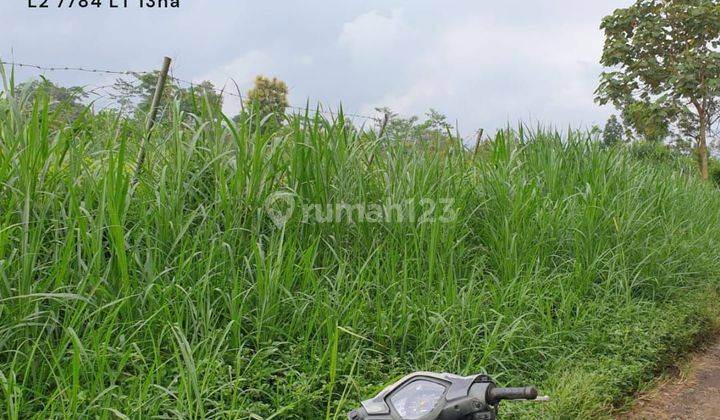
column 496, row 394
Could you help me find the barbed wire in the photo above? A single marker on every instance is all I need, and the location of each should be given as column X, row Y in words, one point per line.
column 67, row 68
column 221, row 92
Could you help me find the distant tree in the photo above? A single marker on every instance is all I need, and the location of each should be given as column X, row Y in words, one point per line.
column 435, row 126
column 64, row 102
column 397, row 128
column 196, row 97
column 664, row 55
column 435, row 129
column 135, row 95
column 268, row 97
column 613, row 132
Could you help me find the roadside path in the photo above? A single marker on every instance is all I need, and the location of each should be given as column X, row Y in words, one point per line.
column 692, row 394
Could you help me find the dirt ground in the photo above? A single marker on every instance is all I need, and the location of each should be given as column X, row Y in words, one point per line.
column 692, row 393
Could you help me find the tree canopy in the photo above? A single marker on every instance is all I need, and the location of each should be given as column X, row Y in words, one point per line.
column 136, row 94
column 613, row 132
column 435, row 127
column 268, row 97
column 65, row 102
column 664, row 67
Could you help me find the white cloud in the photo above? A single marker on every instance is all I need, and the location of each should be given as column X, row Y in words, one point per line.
column 408, row 101
column 241, row 70
column 488, row 73
column 373, row 34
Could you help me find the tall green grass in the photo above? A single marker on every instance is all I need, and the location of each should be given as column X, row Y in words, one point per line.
column 578, row 269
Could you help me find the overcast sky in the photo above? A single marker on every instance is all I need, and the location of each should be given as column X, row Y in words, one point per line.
column 482, row 63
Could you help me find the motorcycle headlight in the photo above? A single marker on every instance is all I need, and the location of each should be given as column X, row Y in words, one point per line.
column 417, row 398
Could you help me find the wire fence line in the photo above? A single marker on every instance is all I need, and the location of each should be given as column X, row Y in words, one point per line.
column 221, row 92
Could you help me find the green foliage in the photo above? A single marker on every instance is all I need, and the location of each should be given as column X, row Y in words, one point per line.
column 666, row 156
column 435, row 131
column 268, row 98
column 715, row 171
column 682, row 145
column 199, row 98
column 135, row 95
column 652, row 151
column 661, row 49
column 650, row 120
column 64, row 102
column 572, row 266
column 613, row 132
column 664, row 66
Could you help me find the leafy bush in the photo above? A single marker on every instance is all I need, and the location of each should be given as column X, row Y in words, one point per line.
column 651, row 151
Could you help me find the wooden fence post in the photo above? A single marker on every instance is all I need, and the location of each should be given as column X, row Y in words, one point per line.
column 383, row 125
column 478, row 141
column 386, row 118
column 162, row 78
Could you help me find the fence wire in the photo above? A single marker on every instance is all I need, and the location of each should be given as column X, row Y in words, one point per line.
column 109, row 95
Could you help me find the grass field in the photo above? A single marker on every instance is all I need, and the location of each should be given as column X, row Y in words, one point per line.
column 578, row 269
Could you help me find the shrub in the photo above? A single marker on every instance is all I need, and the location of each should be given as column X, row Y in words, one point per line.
column 651, row 151
column 714, row 169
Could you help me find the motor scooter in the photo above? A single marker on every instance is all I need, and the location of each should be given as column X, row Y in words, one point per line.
column 441, row 396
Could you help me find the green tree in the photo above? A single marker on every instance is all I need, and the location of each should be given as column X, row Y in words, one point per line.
column 663, row 54
column 435, row 131
column 613, row 132
column 195, row 98
column 650, row 121
column 135, row 95
column 434, row 128
column 64, row 102
column 269, row 98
